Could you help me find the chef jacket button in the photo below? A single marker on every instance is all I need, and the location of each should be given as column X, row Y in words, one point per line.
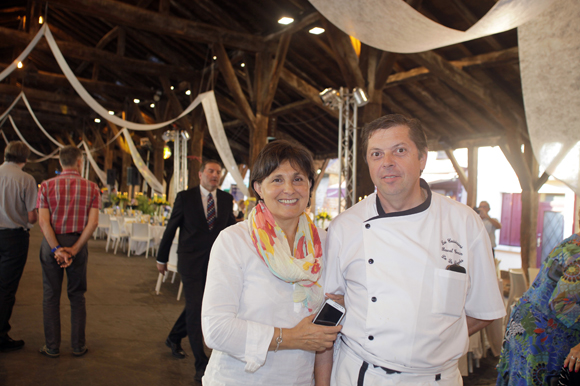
column 371, row 261
column 373, row 299
column 371, row 337
column 368, row 226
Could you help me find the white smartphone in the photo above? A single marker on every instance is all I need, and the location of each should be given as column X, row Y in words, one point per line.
column 330, row 314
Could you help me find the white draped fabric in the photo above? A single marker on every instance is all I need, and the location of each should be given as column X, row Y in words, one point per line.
column 395, row 26
column 100, row 173
column 207, row 99
column 141, row 166
column 216, row 130
column 549, row 49
column 8, row 70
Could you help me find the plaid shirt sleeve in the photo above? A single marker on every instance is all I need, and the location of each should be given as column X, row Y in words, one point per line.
column 95, row 196
column 41, row 201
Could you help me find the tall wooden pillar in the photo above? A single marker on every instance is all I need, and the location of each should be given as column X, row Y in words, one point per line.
column 127, row 161
column 472, row 155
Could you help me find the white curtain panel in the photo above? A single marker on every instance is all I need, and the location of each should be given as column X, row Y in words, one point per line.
column 549, row 48
column 395, row 26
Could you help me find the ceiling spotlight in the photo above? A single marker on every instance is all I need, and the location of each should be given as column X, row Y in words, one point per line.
column 285, row 20
column 360, row 97
column 243, row 65
column 316, row 31
column 331, row 98
column 19, row 65
column 40, row 20
column 215, row 58
column 97, row 120
column 171, row 87
column 188, row 92
column 111, row 112
column 152, row 105
column 136, row 100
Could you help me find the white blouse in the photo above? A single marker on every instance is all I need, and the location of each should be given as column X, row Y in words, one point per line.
column 242, row 304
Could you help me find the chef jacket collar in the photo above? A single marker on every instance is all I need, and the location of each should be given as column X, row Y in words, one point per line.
column 418, row 209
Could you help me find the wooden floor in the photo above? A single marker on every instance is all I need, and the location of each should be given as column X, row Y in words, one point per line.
column 127, row 324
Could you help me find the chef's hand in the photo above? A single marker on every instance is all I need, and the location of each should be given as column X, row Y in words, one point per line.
column 337, row 298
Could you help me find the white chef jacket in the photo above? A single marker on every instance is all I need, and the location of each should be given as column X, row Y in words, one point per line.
column 242, row 304
column 404, row 309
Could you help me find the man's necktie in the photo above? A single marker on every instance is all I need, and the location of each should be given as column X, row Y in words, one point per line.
column 210, row 211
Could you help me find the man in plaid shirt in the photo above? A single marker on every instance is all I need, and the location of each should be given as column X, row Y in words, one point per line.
column 68, row 215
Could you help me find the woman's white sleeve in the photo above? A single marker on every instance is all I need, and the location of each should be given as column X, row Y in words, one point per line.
column 245, row 340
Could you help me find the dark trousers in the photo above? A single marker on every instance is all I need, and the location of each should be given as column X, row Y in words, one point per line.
column 189, row 322
column 52, row 275
column 13, row 254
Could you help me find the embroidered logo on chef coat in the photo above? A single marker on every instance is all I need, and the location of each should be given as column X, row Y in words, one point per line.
column 452, row 251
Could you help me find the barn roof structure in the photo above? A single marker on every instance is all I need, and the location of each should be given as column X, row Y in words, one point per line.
column 266, row 77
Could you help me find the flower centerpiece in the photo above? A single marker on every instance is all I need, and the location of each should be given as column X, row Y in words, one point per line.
column 145, row 204
column 160, row 203
column 322, row 217
column 120, row 200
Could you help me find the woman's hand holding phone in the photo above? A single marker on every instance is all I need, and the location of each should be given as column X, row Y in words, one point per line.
column 307, row 336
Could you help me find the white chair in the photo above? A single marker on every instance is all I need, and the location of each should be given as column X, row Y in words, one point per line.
column 116, row 234
column 104, row 224
column 532, row 273
column 171, row 267
column 139, row 232
column 518, row 286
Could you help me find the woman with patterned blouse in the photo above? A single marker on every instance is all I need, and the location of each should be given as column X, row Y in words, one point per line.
column 543, row 334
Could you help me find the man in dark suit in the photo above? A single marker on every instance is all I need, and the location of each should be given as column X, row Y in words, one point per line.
column 201, row 213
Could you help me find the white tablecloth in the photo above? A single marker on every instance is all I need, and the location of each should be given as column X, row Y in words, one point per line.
column 139, row 247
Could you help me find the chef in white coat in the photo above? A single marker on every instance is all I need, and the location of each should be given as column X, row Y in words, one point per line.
column 415, row 269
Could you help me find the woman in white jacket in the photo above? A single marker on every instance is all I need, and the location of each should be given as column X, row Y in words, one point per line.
column 263, row 282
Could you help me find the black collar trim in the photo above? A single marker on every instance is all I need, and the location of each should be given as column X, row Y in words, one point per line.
column 418, row 209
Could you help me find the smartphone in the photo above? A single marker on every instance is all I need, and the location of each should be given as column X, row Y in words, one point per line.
column 330, row 314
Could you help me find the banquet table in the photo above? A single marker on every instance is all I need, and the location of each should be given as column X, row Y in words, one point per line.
column 139, row 247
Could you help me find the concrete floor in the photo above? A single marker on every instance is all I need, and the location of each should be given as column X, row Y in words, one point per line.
column 127, row 324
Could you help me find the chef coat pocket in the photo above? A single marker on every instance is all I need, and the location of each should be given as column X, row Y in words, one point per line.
column 449, row 292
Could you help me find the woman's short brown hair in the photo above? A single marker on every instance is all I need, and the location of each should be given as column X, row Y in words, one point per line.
column 275, row 154
column 16, row 152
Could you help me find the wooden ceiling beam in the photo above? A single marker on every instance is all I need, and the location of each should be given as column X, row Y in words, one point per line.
column 306, row 90
column 52, row 97
column 52, row 80
column 468, row 86
column 347, row 58
column 290, row 107
column 493, row 58
column 227, row 70
column 136, row 17
column 106, row 39
column 79, row 51
column 441, row 105
column 297, row 25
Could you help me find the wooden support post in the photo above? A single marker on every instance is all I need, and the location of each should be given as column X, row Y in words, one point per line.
column 472, row 154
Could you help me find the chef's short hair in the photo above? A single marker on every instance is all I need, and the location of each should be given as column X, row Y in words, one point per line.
column 416, row 132
column 16, row 152
column 275, row 154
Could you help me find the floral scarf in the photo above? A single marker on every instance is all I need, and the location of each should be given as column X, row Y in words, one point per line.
column 302, row 269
